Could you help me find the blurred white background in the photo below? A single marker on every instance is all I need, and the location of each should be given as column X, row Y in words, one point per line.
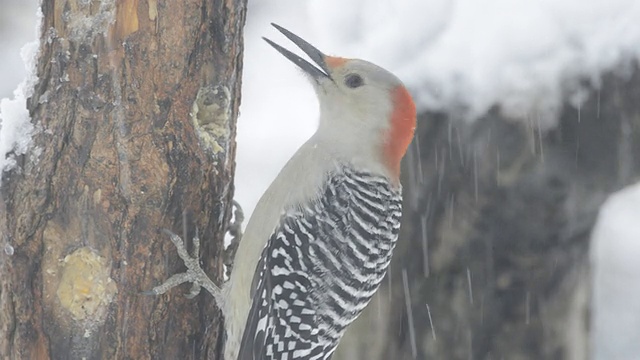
column 17, row 27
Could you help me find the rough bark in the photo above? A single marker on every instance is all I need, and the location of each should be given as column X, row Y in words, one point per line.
column 498, row 217
column 135, row 112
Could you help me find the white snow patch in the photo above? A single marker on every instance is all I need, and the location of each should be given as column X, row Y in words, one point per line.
column 8, row 249
column 615, row 255
column 470, row 55
column 15, row 123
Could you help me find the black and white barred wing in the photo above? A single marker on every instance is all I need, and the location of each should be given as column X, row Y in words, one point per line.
column 320, row 268
column 282, row 320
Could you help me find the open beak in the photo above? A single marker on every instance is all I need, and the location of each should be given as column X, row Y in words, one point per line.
column 313, row 53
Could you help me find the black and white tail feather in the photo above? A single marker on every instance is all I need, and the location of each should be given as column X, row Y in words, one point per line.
column 321, row 267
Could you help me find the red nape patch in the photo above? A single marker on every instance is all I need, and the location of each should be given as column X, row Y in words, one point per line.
column 403, row 125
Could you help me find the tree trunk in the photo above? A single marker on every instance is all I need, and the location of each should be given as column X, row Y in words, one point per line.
column 498, row 216
column 135, row 110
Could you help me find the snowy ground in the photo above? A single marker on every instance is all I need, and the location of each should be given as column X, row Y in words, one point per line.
column 463, row 55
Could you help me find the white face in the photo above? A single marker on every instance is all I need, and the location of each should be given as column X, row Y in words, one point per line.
column 357, row 96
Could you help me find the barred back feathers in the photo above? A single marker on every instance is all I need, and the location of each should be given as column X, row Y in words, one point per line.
column 321, row 267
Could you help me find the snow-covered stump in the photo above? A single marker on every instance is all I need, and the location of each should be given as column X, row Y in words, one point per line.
column 499, row 214
column 615, row 251
column 122, row 146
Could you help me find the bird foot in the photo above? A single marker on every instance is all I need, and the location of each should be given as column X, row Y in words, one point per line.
column 194, row 273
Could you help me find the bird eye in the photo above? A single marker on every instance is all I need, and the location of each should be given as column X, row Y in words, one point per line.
column 353, row 81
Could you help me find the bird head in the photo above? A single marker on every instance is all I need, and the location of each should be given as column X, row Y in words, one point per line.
column 364, row 109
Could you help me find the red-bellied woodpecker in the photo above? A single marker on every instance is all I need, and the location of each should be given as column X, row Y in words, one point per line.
column 320, row 239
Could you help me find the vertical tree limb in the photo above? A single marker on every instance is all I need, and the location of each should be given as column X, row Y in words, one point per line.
column 135, row 108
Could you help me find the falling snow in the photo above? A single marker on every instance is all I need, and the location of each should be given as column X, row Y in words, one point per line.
column 452, row 59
